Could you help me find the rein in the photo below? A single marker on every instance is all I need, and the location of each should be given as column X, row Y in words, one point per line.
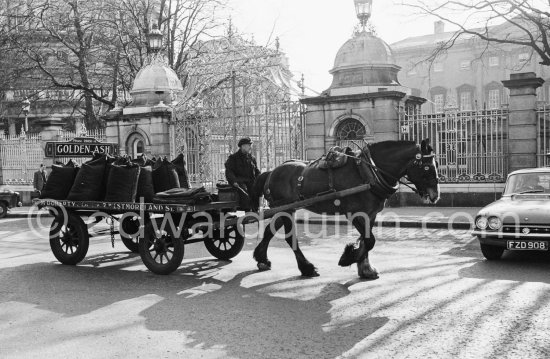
column 386, row 173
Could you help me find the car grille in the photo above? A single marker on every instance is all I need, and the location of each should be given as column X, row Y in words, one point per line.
column 532, row 228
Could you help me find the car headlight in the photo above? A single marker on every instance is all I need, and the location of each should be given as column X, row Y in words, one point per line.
column 495, row 223
column 481, row 223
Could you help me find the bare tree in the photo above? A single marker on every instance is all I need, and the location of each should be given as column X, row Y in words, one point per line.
column 517, row 22
column 183, row 23
column 95, row 48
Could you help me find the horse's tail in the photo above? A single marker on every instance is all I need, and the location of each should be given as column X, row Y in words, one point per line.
column 258, row 188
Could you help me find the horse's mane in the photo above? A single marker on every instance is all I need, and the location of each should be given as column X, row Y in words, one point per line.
column 390, row 146
column 392, row 155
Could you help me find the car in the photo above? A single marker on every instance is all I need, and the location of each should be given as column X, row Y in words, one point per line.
column 8, row 199
column 520, row 220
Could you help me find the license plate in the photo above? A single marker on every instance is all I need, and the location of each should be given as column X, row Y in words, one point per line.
column 528, row 245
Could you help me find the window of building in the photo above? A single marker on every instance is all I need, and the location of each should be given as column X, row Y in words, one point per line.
column 138, row 148
column 493, row 99
column 493, row 61
column 465, row 64
column 465, row 101
column 438, row 67
column 438, row 102
column 351, row 129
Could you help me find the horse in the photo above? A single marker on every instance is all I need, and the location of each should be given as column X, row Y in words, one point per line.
column 386, row 161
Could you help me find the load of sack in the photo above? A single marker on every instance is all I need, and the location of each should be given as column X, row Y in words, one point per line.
column 120, row 179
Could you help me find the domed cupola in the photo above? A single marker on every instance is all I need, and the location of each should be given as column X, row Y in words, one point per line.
column 365, row 63
column 156, row 82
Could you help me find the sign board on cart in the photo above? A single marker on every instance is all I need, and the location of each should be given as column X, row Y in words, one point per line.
column 79, row 147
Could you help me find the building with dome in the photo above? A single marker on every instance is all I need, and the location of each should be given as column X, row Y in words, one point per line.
column 364, row 100
column 146, row 125
column 233, row 88
column 364, row 64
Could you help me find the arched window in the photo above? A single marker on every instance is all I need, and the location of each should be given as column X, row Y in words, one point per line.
column 350, row 129
column 135, row 145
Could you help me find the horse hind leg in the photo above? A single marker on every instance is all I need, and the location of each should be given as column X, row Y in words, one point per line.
column 306, row 267
column 260, row 252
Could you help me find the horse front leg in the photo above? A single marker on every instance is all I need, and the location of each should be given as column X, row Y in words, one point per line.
column 360, row 255
column 306, row 267
column 364, row 268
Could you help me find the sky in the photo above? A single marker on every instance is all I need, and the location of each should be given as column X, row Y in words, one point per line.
column 312, row 31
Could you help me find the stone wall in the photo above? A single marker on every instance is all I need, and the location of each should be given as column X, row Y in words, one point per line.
column 378, row 112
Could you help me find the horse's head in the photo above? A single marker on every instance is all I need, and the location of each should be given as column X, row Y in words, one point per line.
column 422, row 172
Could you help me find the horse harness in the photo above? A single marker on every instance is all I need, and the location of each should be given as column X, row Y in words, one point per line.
column 369, row 172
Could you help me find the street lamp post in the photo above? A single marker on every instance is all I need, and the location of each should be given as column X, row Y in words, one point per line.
column 154, row 38
column 363, row 8
column 25, row 108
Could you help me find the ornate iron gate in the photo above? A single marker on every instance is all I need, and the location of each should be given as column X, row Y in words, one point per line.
column 470, row 146
column 207, row 131
column 543, row 145
column 20, row 157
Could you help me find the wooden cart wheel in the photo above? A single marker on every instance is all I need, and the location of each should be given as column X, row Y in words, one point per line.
column 130, row 226
column 225, row 243
column 69, row 241
column 160, row 251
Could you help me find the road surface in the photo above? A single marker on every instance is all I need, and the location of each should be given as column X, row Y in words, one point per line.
column 436, row 298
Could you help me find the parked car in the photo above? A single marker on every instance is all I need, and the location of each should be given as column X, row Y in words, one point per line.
column 8, row 199
column 520, row 220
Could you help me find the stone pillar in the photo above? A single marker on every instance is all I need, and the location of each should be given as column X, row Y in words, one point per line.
column 522, row 120
column 11, row 129
column 49, row 129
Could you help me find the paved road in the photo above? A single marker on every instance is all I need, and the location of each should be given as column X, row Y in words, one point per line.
column 436, row 298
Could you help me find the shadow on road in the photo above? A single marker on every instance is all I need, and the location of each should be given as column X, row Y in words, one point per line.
column 469, row 250
column 514, row 266
column 213, row 313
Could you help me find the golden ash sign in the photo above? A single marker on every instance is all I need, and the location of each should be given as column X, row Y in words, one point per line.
column 79, row 147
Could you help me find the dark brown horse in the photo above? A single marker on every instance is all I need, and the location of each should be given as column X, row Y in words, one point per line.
column 295, row 180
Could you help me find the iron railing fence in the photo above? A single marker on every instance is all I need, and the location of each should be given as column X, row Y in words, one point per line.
column 470, row 146
column 20, row 157
column 543, row 138
column 207, row 135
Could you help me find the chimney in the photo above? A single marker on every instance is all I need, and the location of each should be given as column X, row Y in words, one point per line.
column 439, row 27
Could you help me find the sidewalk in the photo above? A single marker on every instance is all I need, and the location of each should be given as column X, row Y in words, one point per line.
column 405, row 217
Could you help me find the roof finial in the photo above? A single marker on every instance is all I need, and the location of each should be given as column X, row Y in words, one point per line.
column 230, row 27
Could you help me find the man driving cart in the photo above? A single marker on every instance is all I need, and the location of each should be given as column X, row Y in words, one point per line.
column 241, row 170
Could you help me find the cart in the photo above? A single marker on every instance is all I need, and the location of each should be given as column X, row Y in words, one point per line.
column 160, row 245
column 167, row 228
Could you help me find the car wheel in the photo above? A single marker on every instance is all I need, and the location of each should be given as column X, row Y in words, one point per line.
column 3, row 210
column 491, row 252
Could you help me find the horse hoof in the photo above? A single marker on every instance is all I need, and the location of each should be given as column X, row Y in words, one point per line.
column 368, row 274
column 311, row 274
column 371, row 276
column 264, row 266
column 308, row 270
